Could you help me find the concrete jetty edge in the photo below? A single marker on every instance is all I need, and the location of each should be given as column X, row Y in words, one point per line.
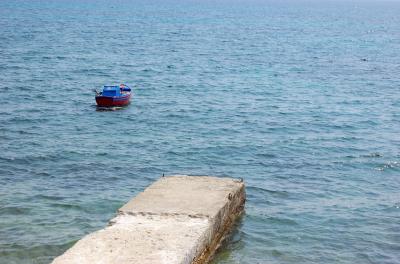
column 176, row 220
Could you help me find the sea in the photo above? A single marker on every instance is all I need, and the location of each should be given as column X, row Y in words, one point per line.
column 300, row 98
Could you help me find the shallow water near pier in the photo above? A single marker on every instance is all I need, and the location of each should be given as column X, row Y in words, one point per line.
column 299, row 98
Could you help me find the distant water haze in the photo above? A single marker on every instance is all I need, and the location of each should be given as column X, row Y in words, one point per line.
column 299, row 98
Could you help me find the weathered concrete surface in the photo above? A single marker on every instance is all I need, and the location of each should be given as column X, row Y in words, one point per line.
column 176, row 220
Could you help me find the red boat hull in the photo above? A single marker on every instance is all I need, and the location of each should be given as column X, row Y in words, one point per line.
column 107, row 101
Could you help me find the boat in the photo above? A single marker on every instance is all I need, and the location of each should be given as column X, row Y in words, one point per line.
column 114, row 95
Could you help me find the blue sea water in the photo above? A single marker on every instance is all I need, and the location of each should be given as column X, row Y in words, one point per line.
column 299, row 98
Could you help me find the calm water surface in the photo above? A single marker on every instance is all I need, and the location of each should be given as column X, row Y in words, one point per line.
column 299, row 98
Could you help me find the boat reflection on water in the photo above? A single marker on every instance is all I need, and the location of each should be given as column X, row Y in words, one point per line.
column 109, row 108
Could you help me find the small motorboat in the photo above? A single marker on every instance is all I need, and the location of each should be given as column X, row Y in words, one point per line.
column 114, row 95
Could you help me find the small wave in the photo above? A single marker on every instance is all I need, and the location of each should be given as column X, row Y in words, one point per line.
column 266, row 155
column 282, row 194
column 44, row 174
column 31, row 158
column 106, row 109
column 389, row 165
column 67, row 206
column 372, row 155
column 173, row 153
column 149, row 70
column 281, row 220
column 276, row 253
column 174, row 116
column 48, row 197
column 12, row 210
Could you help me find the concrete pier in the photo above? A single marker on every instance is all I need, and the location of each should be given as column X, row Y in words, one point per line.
column 176, row 220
